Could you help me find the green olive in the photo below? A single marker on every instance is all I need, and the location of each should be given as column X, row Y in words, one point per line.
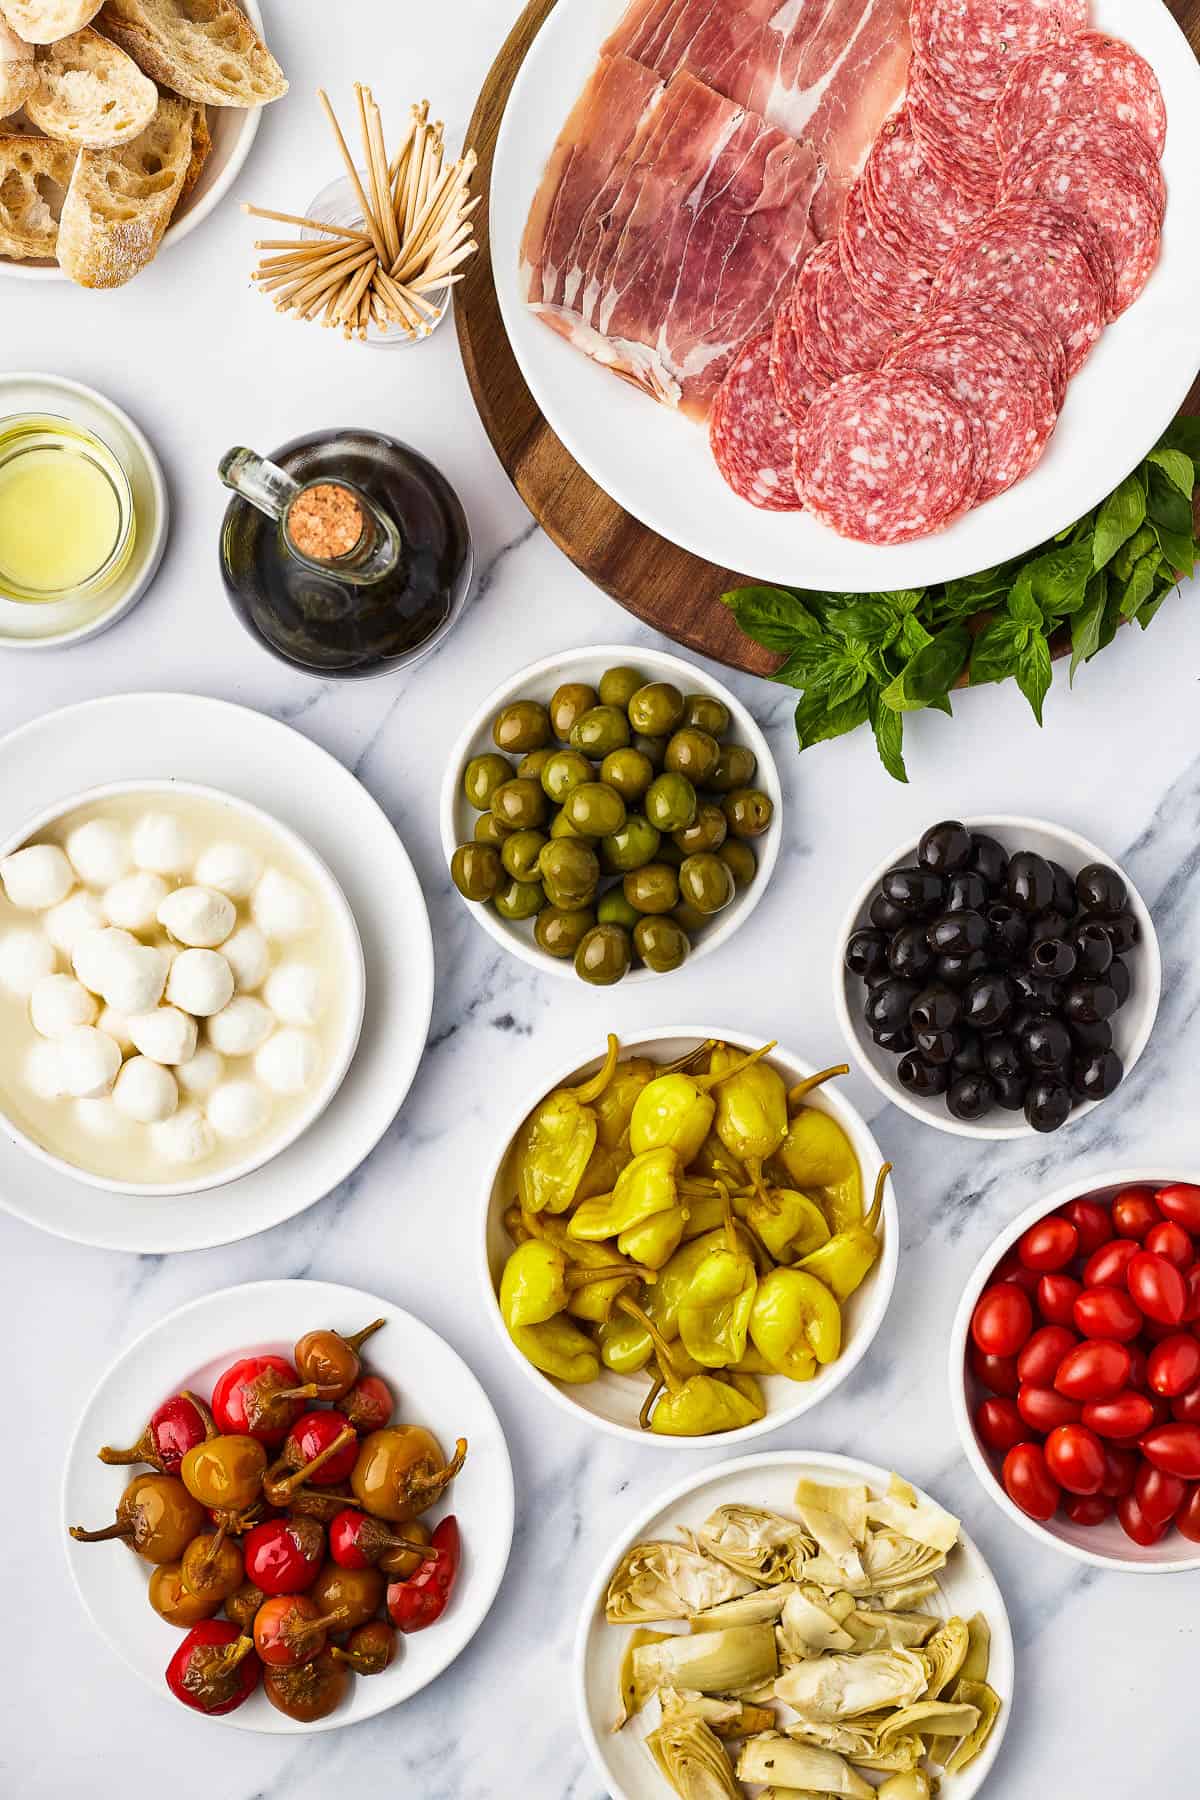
column 671, row 802
column 661, row 943
column 688, row 919
column 519, row 853
column 482, row 776
column 489, row 830
column 735, row 767
column 599, row 730
column 559, row 931
column 634, row 845
column 693, row 753
column 614, row 909
column 604, row 955
column 594, row 810
column 519, row 899
column 669, row 851
column 739, row 859
column 568, row 703
column 476, row 870
column 531, row 765
column 570, row 869
column 519, row 804
column 656, row 710
column 654, row 749
column 707, row 830
column 652, row 889
column 628, row 771
column 748, row 812
column 562, row 771
column 524, row 725
column 561, row 827
column 706, row 713
column 619, row 685
column 706, row 883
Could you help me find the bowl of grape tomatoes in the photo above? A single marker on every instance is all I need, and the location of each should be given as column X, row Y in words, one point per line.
column 1075, row 1371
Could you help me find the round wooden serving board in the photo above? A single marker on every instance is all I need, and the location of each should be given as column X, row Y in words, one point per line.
column 679, row 594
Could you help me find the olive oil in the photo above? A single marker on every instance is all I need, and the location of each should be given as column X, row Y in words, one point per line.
column 66, row 521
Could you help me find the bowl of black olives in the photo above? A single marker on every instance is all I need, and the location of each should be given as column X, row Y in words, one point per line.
column 1000, row 977
column 611, row 812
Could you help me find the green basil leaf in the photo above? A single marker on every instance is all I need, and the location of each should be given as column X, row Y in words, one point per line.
column 942, row 705
column 1140, row 585
column 844, row 687
column 888, row 727
column 1167, row 506
column 1178, row 548
column 913, row 637
column 874, row 621
column 817, row 722
column 1183, row 434
column 905, row 600
column 1086, row 623
column 1178, row 468
column 1034, row 673
column 1021, row 604
column 1118, row 519
column 931, row 672
column 998, row 649
column 1059, row 579
column 1132, row 552
column 772, row 616
column 1148, row 611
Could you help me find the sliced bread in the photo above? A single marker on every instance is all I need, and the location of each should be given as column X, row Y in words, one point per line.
column 34, row 173
column 206, row 50
column 18, row 70
column 45, row 21
column 120, row 202
column 90, row 93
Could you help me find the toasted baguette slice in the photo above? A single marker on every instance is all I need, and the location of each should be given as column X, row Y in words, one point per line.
column 34, row 173
column 120, row 201
column 206, row 50
column 201, row 145
column 45, row 21
column 18, row 70
column 90, row 93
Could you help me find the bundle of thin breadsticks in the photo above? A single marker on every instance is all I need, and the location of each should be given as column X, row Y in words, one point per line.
column 412, row 234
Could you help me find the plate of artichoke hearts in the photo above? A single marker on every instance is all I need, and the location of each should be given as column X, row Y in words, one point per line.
column 794, row 1624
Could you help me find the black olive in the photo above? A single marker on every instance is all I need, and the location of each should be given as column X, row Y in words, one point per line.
column 1019, row 1022
column 1089, row 1040
column 1030, row 882
column 987, row 1001
column 1001, row 1056
column 1053, row 958
column 1119, row 980
column 894, row 1042
column 957, row 933
column 968, row 1058
column 866, row 951
column 883, row 914
column 1045, row 1044
column 1100, row 889
column 1048, row 1103
column 1050, row 925
column 909, row 953
column 924, row 1079
column 936, row 1046
column 944, row 847
column 934, row 1009
column 956, row 971
column 966, row 892
column 1093, row 947
column 989, row 859
column 1036, row 993
column 1087, row 1001
column 1122, row 928
column 1064, row 900
column 887, row 1005
column 1100, row 1076
column 1010, row 1091
column 970, row 1096
column 913, row 890
column 1008, row 931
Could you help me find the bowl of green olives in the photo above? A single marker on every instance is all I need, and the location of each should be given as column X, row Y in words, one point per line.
column 610, row 813
column 999, row 978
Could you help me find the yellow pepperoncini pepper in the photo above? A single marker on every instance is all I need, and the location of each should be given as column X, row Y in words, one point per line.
column 788, row 1223
column 695, row 1402
column 752, row 1117
column 846, row 1260
column 677, row 1110
column 538, row 1282
column 625, row 1345
column 556, row 1142
column 817, row 1156
column 716, row 1162
column 795, row 1323
column 559, row 1349
column 714, row 1312
column 614, row 1108
column 646, row 1185
column 656, row 1239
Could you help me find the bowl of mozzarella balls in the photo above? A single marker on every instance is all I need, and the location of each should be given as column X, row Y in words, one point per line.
column 181, row 987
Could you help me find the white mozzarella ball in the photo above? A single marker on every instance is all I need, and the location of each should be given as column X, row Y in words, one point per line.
column 294, row 994
column 66, row 923
column 249, row 956
column 288, row 1061
column 133, row 979
column 239, row 1028
column 145, row 1091
column 237, row 1109
column 43, row 1070
column 186, row 1137
column 281, row 907
column 58, row 1003
column 201, row 982
column 89, row 1061
column 165, row 1034
column 230, row 868
column 201, row 1074
column 198, row 916
column 133, row 902
column 99, row 852
column 99, row 1118
column 95, row 951
column 37, row 878
column 160, row 844
column 26, row 957
column 116, row 1025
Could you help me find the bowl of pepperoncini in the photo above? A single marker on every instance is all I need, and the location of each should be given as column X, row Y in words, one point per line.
column 689, row 1239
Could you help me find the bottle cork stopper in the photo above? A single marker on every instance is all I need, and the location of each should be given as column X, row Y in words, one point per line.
column 325, row 521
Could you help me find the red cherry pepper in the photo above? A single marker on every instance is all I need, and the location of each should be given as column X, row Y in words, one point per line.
column 1092, row 1221
column 260, row 1397
column 1158, row 1288
column 214, row 1669
column 283, row 1556
column 178, row 1425
column 421, row 1600
column 368, row 1405
column 314, row 1433
column 292, row 1629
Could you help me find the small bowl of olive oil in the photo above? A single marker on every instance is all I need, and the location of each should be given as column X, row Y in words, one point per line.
column 67, row 522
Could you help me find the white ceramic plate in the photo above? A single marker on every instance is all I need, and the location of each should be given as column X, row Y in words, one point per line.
column 186, row 737
column 1104, row 1546
column 1131, row 1026
column 658, row 466
column 190, row 1348
column 233, row 130
column 538, row 682
column 625, row 1765
column 613, row 1401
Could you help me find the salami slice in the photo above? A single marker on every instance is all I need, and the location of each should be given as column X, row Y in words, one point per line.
column 1052, row 225
column 1025, row 335
column 753, row 439
column 904, row 190
column 1013, row 257
column 815, row 352
column 857, row 337
column 796, row 387
column 1119, row 204
column 1091, row 76
column 887, row 457
column 883, row 272
column 955, row 131
column 973, row 44
column 1101, row 136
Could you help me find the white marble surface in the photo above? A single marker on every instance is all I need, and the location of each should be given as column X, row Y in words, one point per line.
column 1106, row 1664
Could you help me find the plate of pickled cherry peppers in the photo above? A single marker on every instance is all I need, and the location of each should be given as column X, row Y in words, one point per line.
column 296, row 1528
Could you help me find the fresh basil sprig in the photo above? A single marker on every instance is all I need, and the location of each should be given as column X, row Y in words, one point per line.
column 862, row 659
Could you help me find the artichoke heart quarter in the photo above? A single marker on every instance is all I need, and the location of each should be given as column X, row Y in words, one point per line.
column 693, row 1760
column 656, row 1581
column 841, row 1687
column 763, row 1545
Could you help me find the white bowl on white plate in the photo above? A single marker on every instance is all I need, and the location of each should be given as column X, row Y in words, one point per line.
column 233, row 130
column 349, row 953
column 966, row 1586
column 1132, row 1025
column 1103, row 1546
column 612, row 1402
column 190, row 1348
column 537, row 682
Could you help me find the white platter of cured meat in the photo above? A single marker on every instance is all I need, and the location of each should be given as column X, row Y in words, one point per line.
column 956, row 288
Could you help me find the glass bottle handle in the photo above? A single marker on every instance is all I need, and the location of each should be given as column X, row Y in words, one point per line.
column 265, row 485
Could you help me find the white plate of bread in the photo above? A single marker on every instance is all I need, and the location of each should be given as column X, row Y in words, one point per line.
column 122, row 124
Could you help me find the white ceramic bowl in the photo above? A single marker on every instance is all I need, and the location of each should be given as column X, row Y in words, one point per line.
column 1131, row 1026
column 538, row 682
column 233, row 130
column 190, row 1348
column 613, row 1401
column 966, row 1586
column 337, row 907
column 1104, row 1546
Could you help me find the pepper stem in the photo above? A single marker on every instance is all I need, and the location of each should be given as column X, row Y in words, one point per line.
column 731, row 1237
column 872, row 1219
column 437, row 1479
column 360, row 1337
column 285, row 1486
column 656, row 1388
column 577, row 1278
column 120, row 1528
column 594, row 1086
column 752, row 1056
column 796, row 1094
column 214, row 1546
column 309, row 1391
column 136, row 1453
column 662, row 1349
column 689, row 1057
